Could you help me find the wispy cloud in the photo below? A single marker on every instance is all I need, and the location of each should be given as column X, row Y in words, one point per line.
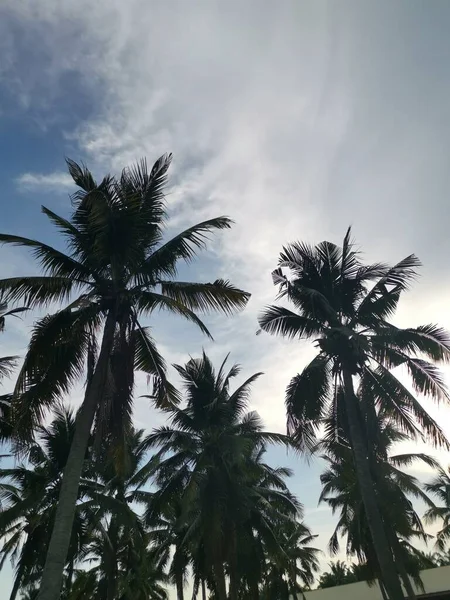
column 38, row 181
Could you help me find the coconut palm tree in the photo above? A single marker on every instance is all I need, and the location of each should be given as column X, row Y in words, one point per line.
column 345, row 307
column 115, row 271
column 117, row 488
column 295, row 568
column 440, row 487
column 339, row 574
column 210, row 468
column 7, row 365
column 29, row 493
column 342, row 493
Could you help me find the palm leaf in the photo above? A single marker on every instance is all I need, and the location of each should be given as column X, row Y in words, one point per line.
column 37, row 290
column 218, row 296
column 148, row 359
column 148, row 302
column 278, row 320
column 307, row 396
column 53, row 262
column 184, row 246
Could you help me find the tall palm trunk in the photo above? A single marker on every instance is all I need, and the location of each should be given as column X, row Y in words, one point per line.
column 401, row 566
column 178, row 570
column 179, row 584
column 233, row 591
column 111, row 561
column 374, row 520
column 383, row 590
column 203, row 589
column 62, row 529
column 219, row 576
column 70, row 571
column 17, row 582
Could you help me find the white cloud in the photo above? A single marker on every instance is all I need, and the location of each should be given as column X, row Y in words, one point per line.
column 45, row 182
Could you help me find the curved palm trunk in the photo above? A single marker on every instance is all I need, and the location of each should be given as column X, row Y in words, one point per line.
column 374, row 520
column 62, row 529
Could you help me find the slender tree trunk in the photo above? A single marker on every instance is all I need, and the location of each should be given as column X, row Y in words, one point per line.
column 233, row 591
column 254, row 592
column 111, row 561
column 411, row 594
column 17, row 582
column 179, row 584
column 374, row 520
column 203, row 589
column 219, row 576
column 382, row 590
column 400, row 563
column 70, row 575
column 62, row 529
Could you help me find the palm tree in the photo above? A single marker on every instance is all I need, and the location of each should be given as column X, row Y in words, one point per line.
column 339, row 574
column 29, row 495
column 209, row 468
column 7, row 365
column 440, row 487
column 115, row 271
column 295, row 568
column 345, row 306
column 341, row 492
column 117, row 488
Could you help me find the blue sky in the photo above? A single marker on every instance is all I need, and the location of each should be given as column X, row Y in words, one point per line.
column 296, row 119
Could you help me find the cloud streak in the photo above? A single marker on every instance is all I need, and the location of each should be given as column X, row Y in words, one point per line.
column 46, row 182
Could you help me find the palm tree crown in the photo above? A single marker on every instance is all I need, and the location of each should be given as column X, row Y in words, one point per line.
column 344, row 306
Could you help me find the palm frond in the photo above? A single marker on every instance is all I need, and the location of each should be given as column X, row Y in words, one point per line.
column 278, row 320
column 53, row 262
column 7, row 365
column 149, row 360
column 148, row 302
column 54, row 361
column 220, row 296
column 37, row 290
column 307, row 396
column 398, row 277
column 184, row 246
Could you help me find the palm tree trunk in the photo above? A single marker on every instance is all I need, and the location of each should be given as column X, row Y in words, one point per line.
column 374, row 520
column 382, row 590
column 400, row 563
column 70, row 575
column 233, row 591
column 17, row 582
column 179, row 584
column 111, row 562
column 219, row 576
column 62, row 529
column 203, row 589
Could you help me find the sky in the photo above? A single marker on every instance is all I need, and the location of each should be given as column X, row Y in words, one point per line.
column 296, row 119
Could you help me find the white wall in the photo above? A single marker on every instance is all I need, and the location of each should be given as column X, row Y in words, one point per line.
column 434, row 580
